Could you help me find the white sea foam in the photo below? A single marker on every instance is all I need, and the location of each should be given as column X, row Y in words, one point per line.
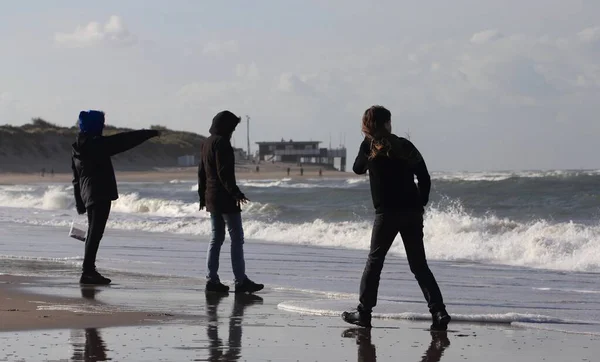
column 496, row 318
column 504, row 175
column 451, row 233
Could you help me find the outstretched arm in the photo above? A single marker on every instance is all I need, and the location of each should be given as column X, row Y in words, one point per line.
column 125, row 141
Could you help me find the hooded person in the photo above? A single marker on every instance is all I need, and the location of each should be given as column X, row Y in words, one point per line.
column 94, row 181
column 222, row 198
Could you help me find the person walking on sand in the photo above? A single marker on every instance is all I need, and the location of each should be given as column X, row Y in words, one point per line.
column 399, row 204
column 222, row 198
column 94, row 181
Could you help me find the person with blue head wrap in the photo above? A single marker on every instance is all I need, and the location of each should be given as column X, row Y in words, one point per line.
column 94, row 181
column 91, row 122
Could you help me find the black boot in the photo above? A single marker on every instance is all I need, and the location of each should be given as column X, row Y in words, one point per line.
column 248, row 286
column 93, row 278
column 358, row 317
column 440, row 320
column 216, row 287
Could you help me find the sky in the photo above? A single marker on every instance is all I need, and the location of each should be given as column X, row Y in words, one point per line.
column 477, row 84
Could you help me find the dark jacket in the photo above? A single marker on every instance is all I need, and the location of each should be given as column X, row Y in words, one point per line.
column 93, row 173
column 217, row 188
column 392, row 176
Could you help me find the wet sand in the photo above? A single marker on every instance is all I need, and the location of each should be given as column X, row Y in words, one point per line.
column 249, row 328
column 23, row 310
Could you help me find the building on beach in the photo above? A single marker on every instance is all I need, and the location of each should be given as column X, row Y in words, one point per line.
column 302, row 152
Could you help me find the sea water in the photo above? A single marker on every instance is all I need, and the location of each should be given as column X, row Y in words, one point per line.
column 519, row 248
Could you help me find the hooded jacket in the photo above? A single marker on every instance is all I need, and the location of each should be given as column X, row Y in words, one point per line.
column 217, row 187
column 93, row 173
column 392, row 176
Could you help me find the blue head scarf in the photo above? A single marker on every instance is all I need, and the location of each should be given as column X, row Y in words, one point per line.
column 91, row 122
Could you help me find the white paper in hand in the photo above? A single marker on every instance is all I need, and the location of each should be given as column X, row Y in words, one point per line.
column 77, row 231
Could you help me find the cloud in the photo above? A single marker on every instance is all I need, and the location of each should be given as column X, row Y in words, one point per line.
column 486, row 36
column 221, row 48
column 247, row 71
column 292, row 84
column 12, row 109
column 589, row 35
column 113, row 32
column 5, row 98
column 502, row 73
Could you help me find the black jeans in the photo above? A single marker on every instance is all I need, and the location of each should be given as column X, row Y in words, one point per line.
column 385, row 229
column 97, row 217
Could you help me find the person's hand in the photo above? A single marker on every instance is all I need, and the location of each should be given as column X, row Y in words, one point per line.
column 202, row 205
column 243, row 200
column 80, row 209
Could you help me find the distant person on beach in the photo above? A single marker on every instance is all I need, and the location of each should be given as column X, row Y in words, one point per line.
column 94, row 181
column 221, row 196
column 399, row 204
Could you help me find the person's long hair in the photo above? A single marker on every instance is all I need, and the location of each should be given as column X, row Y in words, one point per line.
column 373, row 127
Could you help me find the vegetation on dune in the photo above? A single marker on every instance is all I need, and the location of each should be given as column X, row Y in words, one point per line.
column 43, row 144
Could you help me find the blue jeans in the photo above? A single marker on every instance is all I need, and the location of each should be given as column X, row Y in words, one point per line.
column 236, row 233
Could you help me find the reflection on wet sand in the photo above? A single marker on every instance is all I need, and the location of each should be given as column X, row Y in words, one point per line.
column 89, row 292
column 92, row 350
column 367, row 351
column 233, row 352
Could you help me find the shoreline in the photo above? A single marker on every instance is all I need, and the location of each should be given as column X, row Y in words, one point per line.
column 252, row 327
column 53, row 318
column 174, row 175
column 22, row 310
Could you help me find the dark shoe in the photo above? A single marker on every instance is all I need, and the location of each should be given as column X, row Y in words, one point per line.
column 357, row 317
column 93, row 278
column 248, row 286
column 440, row 320
column 216, row 287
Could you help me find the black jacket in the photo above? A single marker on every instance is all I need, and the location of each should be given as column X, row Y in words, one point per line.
column 392, row 176
column 217, row 188
column 93, row 173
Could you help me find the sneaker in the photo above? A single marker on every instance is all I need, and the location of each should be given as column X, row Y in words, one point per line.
column 216, row 287
column 440, row 320
column 248, row 286
column 360, row 318
column 93, row 278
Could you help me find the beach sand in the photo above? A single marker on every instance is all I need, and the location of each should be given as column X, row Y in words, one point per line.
column 21, row 310
column 245, row 328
